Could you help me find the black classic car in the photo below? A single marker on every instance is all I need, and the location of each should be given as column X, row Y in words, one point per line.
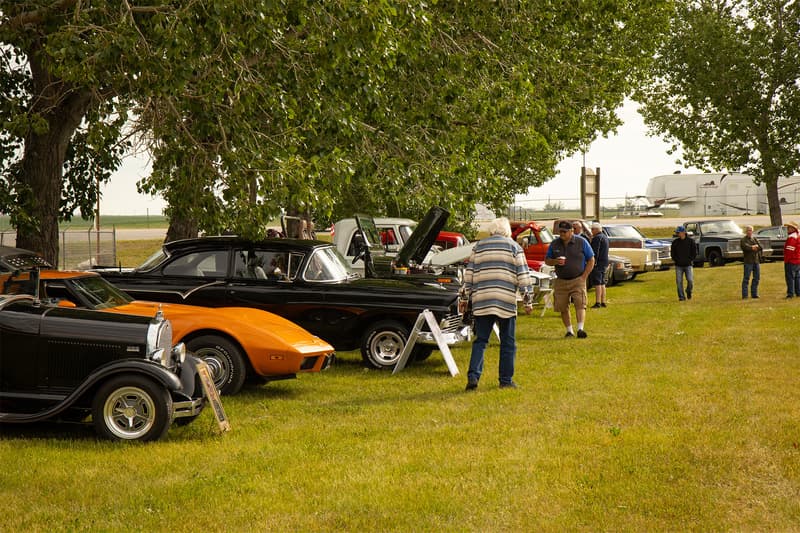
column 60, row 363
column 307, row 282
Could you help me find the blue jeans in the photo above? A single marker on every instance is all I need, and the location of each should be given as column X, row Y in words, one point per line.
column 755, row 270
column 680, row 272
column 508, row 347
column 792, row 274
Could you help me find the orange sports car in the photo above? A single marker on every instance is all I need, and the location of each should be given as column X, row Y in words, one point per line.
column 236, row 342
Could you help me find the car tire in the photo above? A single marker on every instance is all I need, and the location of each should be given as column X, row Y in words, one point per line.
column 382, row 344
column 225, row 362
column 715, row 258
column 421, row 352
column 132, row 407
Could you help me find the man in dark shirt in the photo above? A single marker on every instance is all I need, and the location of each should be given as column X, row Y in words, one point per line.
column 598, row 275
column 751, row 258
column 683, row 252
column 573, row 258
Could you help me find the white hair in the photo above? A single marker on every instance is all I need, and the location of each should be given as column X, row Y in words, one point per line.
column 500, row 226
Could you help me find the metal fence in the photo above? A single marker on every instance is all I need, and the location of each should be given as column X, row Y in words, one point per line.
column 79, row 249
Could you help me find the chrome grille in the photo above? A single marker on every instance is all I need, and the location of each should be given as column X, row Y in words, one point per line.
column 450, row 322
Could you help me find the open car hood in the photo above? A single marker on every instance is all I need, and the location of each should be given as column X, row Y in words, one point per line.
column 452, row 256
column 419, row 243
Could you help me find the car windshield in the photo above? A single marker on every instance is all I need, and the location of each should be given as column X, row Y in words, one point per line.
column 720, row 226
column 627, row 232
column 154, row 260
column 545, row 236
column 99, row 293
column 327, row 265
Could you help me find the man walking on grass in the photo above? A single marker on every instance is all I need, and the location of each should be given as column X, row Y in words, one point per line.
column 496, row 271
column 683, row 252
column 574, row 260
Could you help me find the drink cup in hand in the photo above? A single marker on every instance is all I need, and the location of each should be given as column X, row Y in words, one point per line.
column 562, row 260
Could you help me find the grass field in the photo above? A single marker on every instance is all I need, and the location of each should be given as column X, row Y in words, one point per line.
column 670, row 416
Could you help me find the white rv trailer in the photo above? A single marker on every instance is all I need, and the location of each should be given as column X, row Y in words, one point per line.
column 720, row 194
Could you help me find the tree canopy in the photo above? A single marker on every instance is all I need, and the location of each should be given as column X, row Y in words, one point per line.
column 253, row 107
column 726, row 86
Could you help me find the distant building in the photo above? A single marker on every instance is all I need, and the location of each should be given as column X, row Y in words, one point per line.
column 721, row 194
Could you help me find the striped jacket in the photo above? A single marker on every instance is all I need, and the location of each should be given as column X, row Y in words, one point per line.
column 496, row 270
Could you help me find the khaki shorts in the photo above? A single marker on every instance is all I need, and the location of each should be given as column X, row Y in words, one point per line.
column 566, row 290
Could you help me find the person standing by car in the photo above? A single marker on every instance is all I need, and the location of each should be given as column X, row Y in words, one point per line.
column 598, row 276
column 751, row 257
column 496, row 271
column 791, row 260
column 683, row 252
column 579, row 230
column 574, row 260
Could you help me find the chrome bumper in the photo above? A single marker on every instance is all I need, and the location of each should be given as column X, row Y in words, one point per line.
column 187, row 408
column 451, row 335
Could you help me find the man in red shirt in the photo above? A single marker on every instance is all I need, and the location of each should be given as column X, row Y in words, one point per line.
column 791, row 260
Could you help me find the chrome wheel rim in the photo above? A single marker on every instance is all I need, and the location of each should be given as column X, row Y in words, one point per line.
column 218, row 365
column 129, row 413
column 386, row 347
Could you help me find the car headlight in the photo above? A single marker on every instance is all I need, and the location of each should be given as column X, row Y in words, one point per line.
column 159, row 339
column 179, row 353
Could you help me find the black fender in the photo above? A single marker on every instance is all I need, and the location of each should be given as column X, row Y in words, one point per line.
column 136, row 366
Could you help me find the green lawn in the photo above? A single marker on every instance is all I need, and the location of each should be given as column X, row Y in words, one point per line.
column 670, row 416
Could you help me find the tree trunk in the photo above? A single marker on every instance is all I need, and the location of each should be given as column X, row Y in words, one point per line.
column 63, row 107
column 774, row 202
column 181, row 228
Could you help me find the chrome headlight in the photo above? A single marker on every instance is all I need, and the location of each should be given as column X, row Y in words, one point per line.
column 159, row 339
column 179, row 353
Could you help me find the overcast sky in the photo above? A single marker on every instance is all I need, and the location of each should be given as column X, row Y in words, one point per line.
column 627, row 161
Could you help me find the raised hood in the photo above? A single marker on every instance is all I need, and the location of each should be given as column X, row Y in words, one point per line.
column 423, row 237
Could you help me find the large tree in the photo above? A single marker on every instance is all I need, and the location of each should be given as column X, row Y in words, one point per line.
column 250, row 107
column 726, row 87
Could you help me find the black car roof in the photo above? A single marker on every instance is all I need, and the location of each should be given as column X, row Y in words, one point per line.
column 229, row 241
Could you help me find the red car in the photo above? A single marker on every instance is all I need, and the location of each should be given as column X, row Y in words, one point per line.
column 534, row 239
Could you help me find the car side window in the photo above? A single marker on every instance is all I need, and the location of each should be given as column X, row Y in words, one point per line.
column 261, row 264
column 208, row 264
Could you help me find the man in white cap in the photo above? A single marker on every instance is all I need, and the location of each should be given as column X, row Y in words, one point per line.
column 791, row 260
column 598, row 276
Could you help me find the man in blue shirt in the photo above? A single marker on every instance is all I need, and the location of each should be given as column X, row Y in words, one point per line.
column 574, row 260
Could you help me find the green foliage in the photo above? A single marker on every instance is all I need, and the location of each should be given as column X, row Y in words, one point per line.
column 670, row 416
column 321, row 108
column 725, row 86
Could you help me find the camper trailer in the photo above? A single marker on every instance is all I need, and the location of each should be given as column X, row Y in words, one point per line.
column 720, row 194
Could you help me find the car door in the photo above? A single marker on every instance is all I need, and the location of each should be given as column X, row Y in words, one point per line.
column 20, row 354
column 269, row 278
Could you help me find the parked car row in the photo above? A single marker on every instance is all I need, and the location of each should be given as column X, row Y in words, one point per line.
column 111, row 345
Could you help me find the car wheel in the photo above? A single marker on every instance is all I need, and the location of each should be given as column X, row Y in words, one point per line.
column 421, row 352
column 715, row 258
column 225, row 362
column 383, row 343
column 132, row 407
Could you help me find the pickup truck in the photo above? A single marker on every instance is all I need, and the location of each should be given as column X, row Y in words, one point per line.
column 629, row 236
column 718, row 241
